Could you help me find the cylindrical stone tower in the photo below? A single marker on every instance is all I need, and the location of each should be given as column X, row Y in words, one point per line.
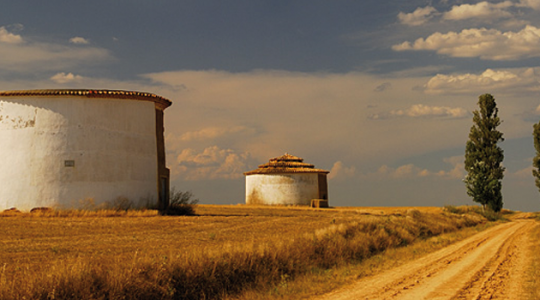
column 62, row 148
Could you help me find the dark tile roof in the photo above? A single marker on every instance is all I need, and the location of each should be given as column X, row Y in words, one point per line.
column 91, row 93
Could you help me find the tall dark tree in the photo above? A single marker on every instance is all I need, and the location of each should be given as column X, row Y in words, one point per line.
column 483, row 157
column 536, row 159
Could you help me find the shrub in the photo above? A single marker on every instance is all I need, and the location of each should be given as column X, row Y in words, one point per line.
column 487, row 213
column 491, row 215
column 453, row 209
column 181, row 203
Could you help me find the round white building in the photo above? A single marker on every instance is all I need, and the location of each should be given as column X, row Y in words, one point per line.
column 286, row 180
column 65, row 148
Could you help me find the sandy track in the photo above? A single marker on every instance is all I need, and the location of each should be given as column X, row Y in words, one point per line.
column 488, row 265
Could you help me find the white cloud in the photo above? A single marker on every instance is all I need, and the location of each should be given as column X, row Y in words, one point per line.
column 66, row 78
column 79, row 40
column 487, row 44
column 424, row 111
column 482, row 9
column 340, row 171
column 517, row 80
column 212, row 163
column 8, row 37
column 420, row 16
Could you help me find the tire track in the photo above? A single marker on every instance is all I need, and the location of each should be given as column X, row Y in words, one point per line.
column 476, row 268
column 495, row 279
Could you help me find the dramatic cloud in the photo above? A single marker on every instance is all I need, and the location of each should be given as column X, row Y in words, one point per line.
column 423, row 111
column 66, row 78
column 518, row 80
column 268, row 113
column 482, row 10
column 487, row 44
column 211, row 163
column 79, row 40
column 534, row 4
column 8, row 37
column 418, row 17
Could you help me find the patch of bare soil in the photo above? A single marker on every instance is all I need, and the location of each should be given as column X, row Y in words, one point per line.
column 490, row 265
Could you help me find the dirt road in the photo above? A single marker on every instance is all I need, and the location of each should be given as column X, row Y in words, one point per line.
column 490, row 265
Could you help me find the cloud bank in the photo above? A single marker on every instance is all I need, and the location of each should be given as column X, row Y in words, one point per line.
column 487, row 44
column 483, row 10
column 504, row 81
column 423, row 111
column 27, row 55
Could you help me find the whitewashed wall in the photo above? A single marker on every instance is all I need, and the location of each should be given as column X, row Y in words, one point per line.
column 112, row 143
column 282, row 189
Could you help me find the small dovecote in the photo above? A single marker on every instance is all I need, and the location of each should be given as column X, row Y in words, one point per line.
column 286, row 180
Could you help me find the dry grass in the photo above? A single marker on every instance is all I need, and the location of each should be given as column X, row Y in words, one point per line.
column 225, row 250
column 533, row 287
column 322, row 281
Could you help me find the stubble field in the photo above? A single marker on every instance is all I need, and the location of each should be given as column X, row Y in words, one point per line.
column 223, row 252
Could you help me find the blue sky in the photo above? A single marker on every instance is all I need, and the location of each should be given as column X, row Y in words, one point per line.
column 378, row 92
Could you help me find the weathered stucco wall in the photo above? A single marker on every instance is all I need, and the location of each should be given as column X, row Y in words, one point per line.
column 59, row 151
column 282, row 189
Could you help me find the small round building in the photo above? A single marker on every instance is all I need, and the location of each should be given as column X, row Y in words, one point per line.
column 61, row 148
column 286, row 180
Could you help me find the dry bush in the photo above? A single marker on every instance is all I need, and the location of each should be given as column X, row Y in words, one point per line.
column 487, row 213
column 229, row 270
column 181, row 203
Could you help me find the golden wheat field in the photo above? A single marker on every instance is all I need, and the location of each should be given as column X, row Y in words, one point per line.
column 222, row 252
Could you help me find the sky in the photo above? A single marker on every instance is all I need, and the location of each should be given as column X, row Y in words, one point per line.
column 380, row 93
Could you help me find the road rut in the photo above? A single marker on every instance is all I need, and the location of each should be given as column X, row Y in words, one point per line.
column 488, row 265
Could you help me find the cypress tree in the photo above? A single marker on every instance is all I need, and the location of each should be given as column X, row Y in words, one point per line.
column 483, row 157
column 536, row 159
